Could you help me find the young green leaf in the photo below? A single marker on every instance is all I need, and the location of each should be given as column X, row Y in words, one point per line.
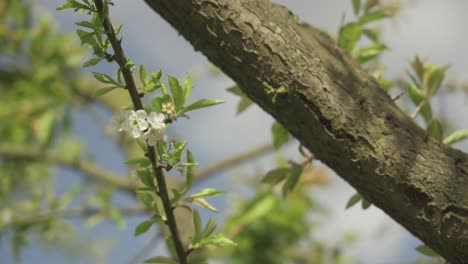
column 143, row 162
column 280, row 135
column 209, row 228
column 143, row 75
column 293, row 178
column 203, row 203
column 188, row 85
column 146, row 178
column 277, row 175
column 456, row 136
column 105, row 79
column 103, row 91
column 197, row 224
column 435, row 129
column 356, row 6
column 206, row 193
column 217, row 240
column 373, row 16
column 86, row 24
column 176, row 91
column 435, row 79
column 190, row 174
column 91, row 62
column 425, row 250
column 353, row 200
column 147, row 199
column 349, row 36
column 143, row 227
column 201, row 104
column 365, row 203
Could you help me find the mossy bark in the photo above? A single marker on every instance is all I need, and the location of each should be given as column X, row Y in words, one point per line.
column 335, row 109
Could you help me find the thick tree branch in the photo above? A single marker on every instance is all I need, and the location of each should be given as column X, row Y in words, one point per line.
column 337, row 110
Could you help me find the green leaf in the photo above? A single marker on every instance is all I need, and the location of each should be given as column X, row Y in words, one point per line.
column 258, row 208
column 176, row 91
column 87, row 37
column 280, row 135
column 203, row 203
column 425, row 250
column 201, row 104
column 103, row 91
column 143, row 227
column 86, row 24
column 435, row 129
column 147, row 199
column 349, row 36
column 416, row 95
column 293, row 178
column 188, row 85
column 435, row 79
column 365, row 203
column 210, row 227
column 146, row 178
column 117, row 218
column 356, row 6
column 373, row 35
column 206, row 193
column 217, row 240
column 44, row 127
column 91, row 62
column 105, row 79
column 161, row 259
column 236, row 90
column 158, row 101
column 143, row 75
column 456, row 136
column 277, row 175
column 244, row 104
column 197, row 224
column 368, row 53
column 190, row 173
column 94, row 220
column 353, row 200
column 373, row 16
column 177, row 152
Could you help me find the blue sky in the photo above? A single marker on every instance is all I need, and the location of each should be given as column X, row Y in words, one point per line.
column 430, row 28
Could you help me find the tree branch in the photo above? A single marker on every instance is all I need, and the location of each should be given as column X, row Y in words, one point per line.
column 337, row 110
column 120, row 58
column 17, row 151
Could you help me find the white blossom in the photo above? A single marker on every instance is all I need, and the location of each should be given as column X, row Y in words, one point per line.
column 135, row 123
column 156, row 130
column 119, row 118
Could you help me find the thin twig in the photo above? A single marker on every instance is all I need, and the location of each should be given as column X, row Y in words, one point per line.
column 120, row 58
column 418, row 109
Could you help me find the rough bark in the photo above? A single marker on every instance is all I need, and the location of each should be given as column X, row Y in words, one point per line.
column 334, row 108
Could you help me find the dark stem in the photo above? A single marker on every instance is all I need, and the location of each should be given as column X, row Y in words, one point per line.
column 120, row 58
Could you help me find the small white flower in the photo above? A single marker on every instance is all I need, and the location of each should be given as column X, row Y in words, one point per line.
column 119, row 118
column 156, row 129
column 167, row 107
column 135, row 123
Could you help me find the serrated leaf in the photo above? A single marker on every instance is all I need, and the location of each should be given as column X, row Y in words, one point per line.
column 143, row 227
column 373, row 16
column 349, row 36
column 176, row 91
column 161, row 259
column 353, row 200
column 203, row 203
column 435, row 129
column 356, row 6
column 217, row 240
column 201, row 104
column 275, row 176
column 206, row 193
column 86, row 24
column 456, row 136
column 147, row 199
column 143, row 75
column 365, row 203
column 425, row 250
column 91, row 62
column 197, row 224
column 146, row 178
column 188, row 85
column 105, row 79
column 103, row 91
column 435, row 79
column 280, row 135
column 244, row 104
